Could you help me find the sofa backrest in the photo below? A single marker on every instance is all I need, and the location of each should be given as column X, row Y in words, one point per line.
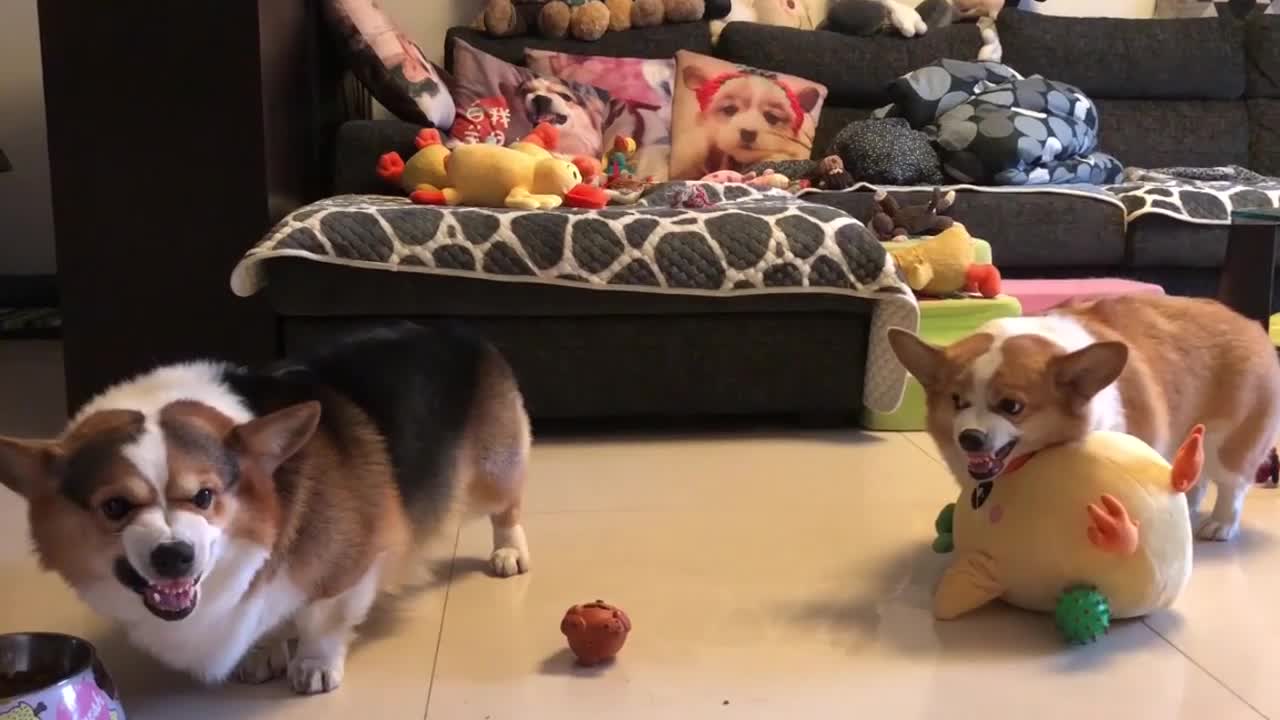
column 1169, row 92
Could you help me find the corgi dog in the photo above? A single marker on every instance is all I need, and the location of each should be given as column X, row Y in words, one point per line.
column 746, row 116
column 242, row 522
column 578, row 115
column 1150, row 366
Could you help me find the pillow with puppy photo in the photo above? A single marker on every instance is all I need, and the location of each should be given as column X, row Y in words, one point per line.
column 729, row 117
column 642, row 85
column 581, row 112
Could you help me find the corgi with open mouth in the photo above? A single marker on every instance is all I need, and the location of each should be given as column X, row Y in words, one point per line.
column 1150, row 366
column 241, row 522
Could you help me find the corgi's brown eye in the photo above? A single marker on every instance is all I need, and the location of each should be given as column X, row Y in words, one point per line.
column 729, row 110
column 773, row 118
column 1009, row 406
column 960, row 402
column 116, row 509
column 203, row 499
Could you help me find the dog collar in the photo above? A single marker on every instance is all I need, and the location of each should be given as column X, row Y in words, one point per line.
column 707, row 92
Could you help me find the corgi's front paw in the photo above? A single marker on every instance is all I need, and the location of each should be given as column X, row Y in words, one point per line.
column 905, row 19
column 509, row 561
column 263, row 663
column 1212, row 528
column 314, row 675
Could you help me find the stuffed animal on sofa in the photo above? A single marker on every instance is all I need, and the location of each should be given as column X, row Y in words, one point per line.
column 1089, row 531
column 525, row 176
column 943, row 266
column 582, row 19
column 872, row 17
column 891, row 221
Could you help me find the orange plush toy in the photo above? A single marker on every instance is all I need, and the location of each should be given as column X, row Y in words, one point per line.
column 524, row 176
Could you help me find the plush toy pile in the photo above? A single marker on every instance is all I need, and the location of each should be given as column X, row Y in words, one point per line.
column 584, row 19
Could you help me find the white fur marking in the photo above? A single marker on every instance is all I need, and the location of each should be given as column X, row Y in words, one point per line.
column 510, row 551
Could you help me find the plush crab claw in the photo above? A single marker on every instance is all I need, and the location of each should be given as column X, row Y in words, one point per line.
column 391, row 167
column 586, row 196
column 1189, row 460
column 427, row 137
column 1111, row 529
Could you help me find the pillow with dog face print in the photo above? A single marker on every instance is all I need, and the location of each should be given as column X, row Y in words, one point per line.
column 581, row 112
column 729, row 117
column 389, row 64
column 642, row 85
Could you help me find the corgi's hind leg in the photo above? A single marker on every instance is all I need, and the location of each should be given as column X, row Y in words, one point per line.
column 1231, row 463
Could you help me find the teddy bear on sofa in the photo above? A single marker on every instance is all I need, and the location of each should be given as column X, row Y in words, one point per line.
column 583, row 19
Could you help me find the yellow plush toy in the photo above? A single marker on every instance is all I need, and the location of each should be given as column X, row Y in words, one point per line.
column 943, row 265
column 1088, row 531
column 525, row 176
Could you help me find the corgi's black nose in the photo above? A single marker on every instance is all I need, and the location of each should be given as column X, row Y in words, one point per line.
column 749, row 136
column 541, row 105
column 173, row 560
column 973, row 440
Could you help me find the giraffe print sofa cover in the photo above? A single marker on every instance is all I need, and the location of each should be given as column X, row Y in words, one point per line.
column 750, row 241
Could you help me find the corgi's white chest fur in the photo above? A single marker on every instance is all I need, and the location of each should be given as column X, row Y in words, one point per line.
column 225, row 625
column 1106, row 409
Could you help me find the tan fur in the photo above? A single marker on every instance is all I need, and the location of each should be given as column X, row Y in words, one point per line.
column 1193, row 361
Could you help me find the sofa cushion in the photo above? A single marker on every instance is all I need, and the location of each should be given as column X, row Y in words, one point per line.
column 856, row 70
column 359, row 145
column 833, row 120
column 655, row 42
column 1114, row 58
column 1083, row 233
column 1264, row 135
column 1162, row 133
column 1262, row 48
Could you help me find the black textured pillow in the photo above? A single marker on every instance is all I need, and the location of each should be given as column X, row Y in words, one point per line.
column 923, row 95
column 887, row 151
column 389, row 64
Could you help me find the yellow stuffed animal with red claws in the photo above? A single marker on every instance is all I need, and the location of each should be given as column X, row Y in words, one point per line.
column 525, row 176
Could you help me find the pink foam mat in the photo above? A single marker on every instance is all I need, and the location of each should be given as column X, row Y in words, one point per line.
column 1037, row 296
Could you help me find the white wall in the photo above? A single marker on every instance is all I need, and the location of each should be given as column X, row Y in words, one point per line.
column 425, row 21
column 26, row 215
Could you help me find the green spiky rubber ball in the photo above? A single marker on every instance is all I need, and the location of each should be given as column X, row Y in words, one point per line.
column 943, row 525
column 1083, row 615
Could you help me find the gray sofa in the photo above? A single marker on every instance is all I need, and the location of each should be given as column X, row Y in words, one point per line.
column 1184, row 92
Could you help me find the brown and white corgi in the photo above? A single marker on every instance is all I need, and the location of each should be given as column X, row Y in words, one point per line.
column 1150, row 366
column 218, row 513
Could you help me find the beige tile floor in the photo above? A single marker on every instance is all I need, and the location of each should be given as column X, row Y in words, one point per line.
column 768, row 575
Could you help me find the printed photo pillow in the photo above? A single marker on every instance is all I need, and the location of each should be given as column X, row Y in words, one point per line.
column 390, row 66
column 581, row 112
column 643, row 88
column 729, row 117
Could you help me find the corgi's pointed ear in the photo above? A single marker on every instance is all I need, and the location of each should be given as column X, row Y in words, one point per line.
column 272, row 439
column 920, row 358
column 1085, row 372
column 28, row 466
column 808, row 98
column 694, row 77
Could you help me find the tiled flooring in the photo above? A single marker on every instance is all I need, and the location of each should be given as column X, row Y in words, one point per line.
column 768, row 575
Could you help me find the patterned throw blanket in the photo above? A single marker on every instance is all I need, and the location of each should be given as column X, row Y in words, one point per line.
column 749, row 241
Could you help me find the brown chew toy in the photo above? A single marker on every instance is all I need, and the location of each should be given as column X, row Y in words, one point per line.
column 596, row 631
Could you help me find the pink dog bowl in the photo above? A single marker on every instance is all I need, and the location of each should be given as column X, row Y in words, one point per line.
column 45, row 676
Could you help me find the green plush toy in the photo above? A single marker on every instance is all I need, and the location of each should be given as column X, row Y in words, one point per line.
column 1088, row 531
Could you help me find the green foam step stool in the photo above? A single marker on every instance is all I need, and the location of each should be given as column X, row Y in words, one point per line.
column 942, row 322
